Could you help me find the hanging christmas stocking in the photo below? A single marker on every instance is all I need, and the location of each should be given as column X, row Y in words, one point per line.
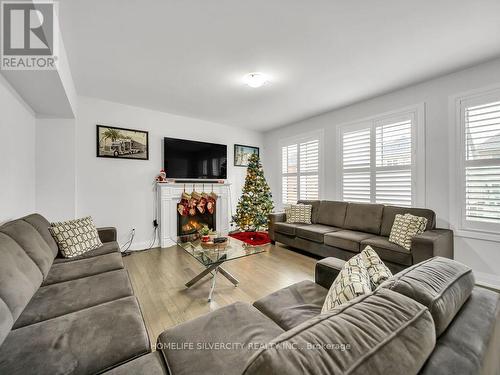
column 201, row 205
column 183, row 205
column 212, row 198
column 192, row 206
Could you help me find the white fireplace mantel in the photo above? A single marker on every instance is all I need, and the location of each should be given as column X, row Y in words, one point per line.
column 169, row 194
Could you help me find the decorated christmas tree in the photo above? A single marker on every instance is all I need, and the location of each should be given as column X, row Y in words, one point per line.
column 256, row 201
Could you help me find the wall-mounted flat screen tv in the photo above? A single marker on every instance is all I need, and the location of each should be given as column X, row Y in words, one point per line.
column 184, row 159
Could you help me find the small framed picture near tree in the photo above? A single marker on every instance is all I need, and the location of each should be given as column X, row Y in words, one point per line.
column 121, row 143
column 242, row 154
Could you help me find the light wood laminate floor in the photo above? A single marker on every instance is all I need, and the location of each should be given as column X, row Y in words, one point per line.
column 158, row 277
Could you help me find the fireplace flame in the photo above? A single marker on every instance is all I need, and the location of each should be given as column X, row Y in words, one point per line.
column 191, row 226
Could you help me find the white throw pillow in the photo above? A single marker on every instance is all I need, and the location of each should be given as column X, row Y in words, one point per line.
column 352, row 281
column 405, row 227
column 298, row 213
column 75, row 237
column 377, row 270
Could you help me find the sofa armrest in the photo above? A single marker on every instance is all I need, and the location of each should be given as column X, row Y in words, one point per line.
column 431, row 243
column 327, row 270
column 279, row 217
column 107, row 234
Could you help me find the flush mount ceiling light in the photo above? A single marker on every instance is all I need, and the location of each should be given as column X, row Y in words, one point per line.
column 256, row 79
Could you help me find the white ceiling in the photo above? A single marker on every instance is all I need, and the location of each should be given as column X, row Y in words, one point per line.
column 188, row 56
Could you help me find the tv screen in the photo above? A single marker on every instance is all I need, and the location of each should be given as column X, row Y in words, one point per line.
column 194, row 160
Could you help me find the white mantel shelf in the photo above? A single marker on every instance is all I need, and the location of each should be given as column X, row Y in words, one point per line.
column 169, row 194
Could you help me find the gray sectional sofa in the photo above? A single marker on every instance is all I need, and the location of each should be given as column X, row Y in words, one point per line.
column 428, row 319
column 64, row 316
column 79, row 316
column 343, row 229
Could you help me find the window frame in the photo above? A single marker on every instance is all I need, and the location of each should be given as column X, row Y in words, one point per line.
column 459, row 222
column 418, row 166
column 298, row 139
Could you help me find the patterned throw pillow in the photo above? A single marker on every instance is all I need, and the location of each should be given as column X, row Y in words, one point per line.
column 405, row 227
column 377, row 270
column 352, row 281
column 75, row 237
column 298, row 213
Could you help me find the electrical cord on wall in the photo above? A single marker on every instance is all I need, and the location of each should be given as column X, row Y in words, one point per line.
column 126, row 251
column 231, row 222
column 155, row 234
column 153, row 240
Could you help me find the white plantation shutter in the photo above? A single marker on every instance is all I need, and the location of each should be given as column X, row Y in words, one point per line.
column 356, row 165
column 289, row 157
column 300, row 171
column 377, row 162
column 482, row 162
column 393, row 149
column 309, row 169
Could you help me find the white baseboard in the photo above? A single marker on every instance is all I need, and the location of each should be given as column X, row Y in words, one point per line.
column 487, row 279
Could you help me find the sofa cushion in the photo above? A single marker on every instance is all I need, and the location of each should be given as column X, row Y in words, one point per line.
column 364, row 217
column 106, row 248
column 314, row 232
column 240, row 325
column 85, row 267
column 388, row 251
column 84, row 342
column 298, row 213
column 379, row 333
column 377, row 270
column 315, row 207
column 290, row 306
column 441, row 284
column 20, row 277
column 471, row 343
column 332, row 213
column 346, row 239
column 32, row 243
column 149, row 364
column 75, row 237
column 6, row 321
column 390, row 213
column 352, row 281
column 42, row 225
column 286, row 228
column 63, row 298
column 406, row 227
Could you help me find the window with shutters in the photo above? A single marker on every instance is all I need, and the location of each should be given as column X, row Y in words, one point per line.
column 480, row 168
column 300, row 160
column 378, row 159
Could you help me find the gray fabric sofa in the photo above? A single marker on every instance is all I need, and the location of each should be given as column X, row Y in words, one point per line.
column 343, row 229
column 428, row 319
column 64, row 316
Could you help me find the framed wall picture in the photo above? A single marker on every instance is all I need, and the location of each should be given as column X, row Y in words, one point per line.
column 242, row 153
column 121, row 143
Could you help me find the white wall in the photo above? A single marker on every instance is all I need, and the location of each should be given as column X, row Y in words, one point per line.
column 119, row 192
column 56, row 168
column 482, row 255
column 17, row 155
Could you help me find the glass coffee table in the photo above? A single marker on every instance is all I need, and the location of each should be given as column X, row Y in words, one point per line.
column 213, row 256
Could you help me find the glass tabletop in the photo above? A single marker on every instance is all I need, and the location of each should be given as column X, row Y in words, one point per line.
column 209, row 253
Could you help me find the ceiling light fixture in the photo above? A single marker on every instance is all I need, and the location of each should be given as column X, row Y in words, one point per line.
column 256, row 79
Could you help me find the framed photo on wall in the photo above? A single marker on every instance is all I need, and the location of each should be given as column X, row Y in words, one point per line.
column 121, row 143
column 242, row 153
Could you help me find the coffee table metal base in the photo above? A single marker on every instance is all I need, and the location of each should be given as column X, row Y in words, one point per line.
column 214, row 269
